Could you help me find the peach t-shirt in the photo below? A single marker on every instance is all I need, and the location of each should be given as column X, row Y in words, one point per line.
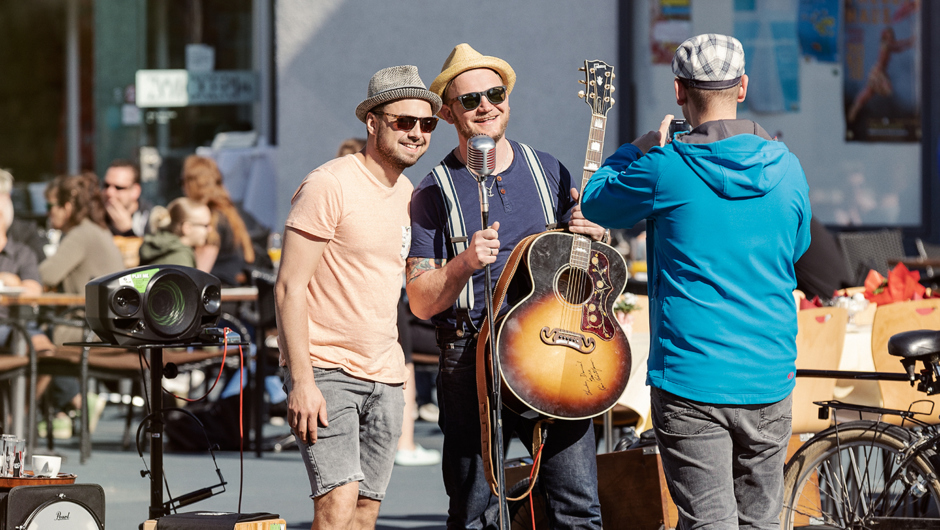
column 352, row 299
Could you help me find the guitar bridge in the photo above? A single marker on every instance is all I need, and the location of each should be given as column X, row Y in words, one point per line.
column 570, row 339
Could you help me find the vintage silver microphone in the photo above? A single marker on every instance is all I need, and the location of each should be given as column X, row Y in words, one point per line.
column 481, row 156
column 481, row 162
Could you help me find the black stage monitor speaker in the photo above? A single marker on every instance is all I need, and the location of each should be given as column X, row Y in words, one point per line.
column 157, row 304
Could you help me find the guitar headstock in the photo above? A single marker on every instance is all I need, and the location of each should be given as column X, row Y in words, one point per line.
column 599, row 83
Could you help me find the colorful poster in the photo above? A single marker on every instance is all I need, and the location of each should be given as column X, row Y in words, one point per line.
column 670, row 25
column 818, row 29
column 767, row 30
column 882, row 74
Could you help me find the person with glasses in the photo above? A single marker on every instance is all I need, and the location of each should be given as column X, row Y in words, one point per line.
column 345, row 242
column 475, row 90
column 86, row 251
column 175, row 232
column 127, row 212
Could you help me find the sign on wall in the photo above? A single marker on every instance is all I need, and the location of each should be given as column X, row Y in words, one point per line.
column 881, row 96
column 670, row 25
column 818, row 28
column 767, row 30
column 182, row 88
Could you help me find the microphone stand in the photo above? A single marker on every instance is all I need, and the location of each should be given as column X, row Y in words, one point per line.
column 496, row 402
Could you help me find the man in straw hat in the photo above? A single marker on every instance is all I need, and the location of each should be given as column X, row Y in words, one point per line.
column 475, row 90
column 731, row 213
column 345, row 242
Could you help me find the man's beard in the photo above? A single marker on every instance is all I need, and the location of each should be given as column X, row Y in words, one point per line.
column 395, row 159
column 465, row 130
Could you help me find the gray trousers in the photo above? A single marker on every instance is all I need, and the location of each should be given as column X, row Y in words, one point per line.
column 723, row 463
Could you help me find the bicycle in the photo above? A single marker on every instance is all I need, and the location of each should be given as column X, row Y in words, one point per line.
column 868, row 474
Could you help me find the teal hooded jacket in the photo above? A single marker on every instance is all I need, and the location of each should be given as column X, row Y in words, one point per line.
column 728, row 215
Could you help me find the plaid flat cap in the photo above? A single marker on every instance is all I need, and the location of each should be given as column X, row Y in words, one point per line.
column 709, row 61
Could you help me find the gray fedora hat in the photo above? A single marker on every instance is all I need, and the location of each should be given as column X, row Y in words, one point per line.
column 393, row 83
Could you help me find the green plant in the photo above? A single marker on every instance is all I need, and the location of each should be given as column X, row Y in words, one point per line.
column 626, row 303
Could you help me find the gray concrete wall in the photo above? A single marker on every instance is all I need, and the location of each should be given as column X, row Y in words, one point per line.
column 328, row 49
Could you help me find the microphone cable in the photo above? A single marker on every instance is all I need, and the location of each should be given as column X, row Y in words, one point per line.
column 241, row 413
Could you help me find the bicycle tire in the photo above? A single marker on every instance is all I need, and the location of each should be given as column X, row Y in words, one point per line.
column 851, row 477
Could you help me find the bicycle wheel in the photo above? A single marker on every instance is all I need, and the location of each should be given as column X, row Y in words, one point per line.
column 855, row 478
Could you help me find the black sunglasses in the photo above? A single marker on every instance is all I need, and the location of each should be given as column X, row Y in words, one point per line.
column 470, row 101
column 105, row 185
column 406, row 123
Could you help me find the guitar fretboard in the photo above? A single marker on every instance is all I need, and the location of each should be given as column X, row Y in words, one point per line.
column 595, row 147
column 580, row 245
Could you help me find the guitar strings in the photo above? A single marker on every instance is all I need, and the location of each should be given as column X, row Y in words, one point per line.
column 577, row 276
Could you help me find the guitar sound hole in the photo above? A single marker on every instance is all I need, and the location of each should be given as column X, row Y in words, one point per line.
column 574, row 288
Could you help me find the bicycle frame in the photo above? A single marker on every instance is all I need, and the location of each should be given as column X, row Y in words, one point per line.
column 927, row 437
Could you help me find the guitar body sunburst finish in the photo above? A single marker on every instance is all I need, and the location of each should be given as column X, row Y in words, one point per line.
column 561, row 350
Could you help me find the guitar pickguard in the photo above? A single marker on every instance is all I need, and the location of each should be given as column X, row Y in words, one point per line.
column 594, row 318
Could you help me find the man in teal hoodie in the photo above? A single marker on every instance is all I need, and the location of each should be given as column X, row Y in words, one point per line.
column 728, row 215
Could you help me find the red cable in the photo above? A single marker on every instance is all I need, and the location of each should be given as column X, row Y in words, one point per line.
column 217, row 377
column 535, row 462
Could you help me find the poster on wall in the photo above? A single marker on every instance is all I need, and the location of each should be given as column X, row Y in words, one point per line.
column 670, row 25
column 882, row 75
column 818, row 29
column 767, row 30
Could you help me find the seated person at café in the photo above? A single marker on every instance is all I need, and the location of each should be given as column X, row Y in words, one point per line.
column 175, row 231
column 86, row 251
column 230, row 249
column 126, row 212
column 19, row 230
column 18, row 270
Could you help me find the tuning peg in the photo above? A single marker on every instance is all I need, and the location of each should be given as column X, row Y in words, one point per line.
column 613, row 75
column 582, row 81
column 612, row 88
column 581, row 94
column 612, row 101
column 581, row 69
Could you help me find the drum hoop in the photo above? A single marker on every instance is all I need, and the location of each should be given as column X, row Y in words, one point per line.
column 49, row 503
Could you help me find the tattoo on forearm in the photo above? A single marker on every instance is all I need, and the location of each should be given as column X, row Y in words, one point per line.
column 418, row 266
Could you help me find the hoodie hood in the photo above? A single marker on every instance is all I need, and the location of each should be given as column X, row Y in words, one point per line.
column 736, row 158
column 159, row 247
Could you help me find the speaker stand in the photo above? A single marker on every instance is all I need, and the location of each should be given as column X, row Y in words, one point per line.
column 154, row 352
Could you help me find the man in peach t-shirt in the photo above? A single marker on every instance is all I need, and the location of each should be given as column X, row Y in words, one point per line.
column 345, row 243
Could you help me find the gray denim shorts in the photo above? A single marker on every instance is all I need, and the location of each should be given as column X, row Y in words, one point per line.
column 360, row 443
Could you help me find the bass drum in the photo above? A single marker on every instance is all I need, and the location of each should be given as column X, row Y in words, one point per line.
column 62, row 513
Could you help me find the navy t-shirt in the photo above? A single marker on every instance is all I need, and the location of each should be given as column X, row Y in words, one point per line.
column 515, row 204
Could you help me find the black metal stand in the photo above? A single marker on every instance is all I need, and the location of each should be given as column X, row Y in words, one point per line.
column 496, row 401
column 154, row 352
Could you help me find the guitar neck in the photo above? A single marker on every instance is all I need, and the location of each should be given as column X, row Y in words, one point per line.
column 595, row 149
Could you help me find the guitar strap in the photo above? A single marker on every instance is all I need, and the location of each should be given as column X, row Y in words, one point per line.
column 457, row 228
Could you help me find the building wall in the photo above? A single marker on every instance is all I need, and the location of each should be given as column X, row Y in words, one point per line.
column 327, row 53
column 879, row 183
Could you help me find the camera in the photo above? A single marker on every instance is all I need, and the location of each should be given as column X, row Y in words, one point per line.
column 677, row 126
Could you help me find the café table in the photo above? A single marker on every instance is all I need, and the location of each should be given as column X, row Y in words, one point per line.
column 24, row 309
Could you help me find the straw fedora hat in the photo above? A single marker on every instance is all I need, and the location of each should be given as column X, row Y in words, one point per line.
column 463, row 58
column 394, row 83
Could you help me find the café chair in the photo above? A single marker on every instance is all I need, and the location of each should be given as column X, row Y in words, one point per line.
column 891, row 319
column 114, row 364
column 819, row 342
column 11, row 367
column 870, row 250
column 130, row 249
column 928, row 251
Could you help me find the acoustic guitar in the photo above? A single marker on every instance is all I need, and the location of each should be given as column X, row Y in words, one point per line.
column 561, row 351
